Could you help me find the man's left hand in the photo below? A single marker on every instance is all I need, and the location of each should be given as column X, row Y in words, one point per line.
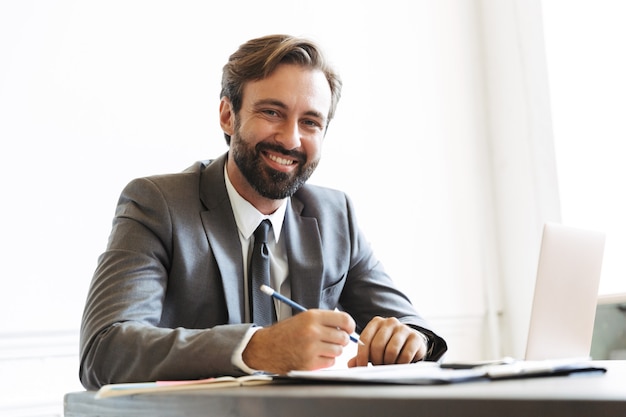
column 387, row 341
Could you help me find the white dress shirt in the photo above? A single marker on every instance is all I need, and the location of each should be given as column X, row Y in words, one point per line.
column 248, row 218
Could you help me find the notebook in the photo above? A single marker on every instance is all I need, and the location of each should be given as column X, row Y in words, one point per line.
column 566, row 293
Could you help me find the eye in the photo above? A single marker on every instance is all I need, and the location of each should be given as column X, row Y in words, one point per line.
column 270, row 112
column 312, row 123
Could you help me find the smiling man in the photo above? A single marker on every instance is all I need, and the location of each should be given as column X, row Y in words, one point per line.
column 173, row 295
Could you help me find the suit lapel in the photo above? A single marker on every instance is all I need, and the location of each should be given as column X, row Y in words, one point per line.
column 221, row 231
column 304, row 252
column 303, row 242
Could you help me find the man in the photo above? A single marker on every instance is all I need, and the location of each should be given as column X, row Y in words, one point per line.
column 172, row 298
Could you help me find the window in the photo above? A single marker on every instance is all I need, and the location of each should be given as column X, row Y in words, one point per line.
column 586, row 67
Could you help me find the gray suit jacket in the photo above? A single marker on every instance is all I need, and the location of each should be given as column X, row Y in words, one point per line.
column 166, row 300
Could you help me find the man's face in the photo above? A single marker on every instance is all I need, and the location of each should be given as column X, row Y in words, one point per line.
column 277, row 136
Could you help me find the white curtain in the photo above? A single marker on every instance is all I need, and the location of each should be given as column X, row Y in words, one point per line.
column 521, row 149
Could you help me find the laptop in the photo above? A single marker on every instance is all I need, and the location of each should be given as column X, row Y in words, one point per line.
column 566, row 293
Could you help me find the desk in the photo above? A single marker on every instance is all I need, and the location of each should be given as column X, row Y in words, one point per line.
column 588, row 395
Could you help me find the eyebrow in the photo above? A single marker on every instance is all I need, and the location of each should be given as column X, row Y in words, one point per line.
column 278, row 103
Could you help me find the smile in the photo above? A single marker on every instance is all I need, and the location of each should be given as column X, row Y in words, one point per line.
column 279, row 160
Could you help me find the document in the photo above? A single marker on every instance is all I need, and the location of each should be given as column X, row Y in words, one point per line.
column 420, row 373
column 115, row 390
column 429, row 373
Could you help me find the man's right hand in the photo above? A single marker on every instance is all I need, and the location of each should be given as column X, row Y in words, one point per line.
column 309, row 340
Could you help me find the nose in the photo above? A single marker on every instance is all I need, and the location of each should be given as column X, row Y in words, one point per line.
column 289, row 135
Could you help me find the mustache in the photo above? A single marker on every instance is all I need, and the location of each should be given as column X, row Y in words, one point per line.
column 294, row 154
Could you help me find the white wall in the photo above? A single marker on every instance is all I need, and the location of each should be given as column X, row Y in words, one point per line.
column 94, row 93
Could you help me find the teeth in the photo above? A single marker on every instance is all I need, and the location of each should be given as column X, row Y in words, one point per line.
column 280, row 160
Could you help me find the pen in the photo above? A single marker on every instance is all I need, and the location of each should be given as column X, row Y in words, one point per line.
column 269, row 291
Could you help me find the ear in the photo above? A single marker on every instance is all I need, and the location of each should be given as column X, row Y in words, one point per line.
column 227, row 116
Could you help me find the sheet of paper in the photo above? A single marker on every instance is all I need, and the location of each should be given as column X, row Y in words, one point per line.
column 430, row 373
column 416, row 373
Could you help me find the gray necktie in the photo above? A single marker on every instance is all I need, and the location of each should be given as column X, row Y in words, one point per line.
column 261, row 305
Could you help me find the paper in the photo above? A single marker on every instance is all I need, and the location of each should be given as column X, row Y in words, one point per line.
column 429, row 373
column 115, row 390
column 420, row 373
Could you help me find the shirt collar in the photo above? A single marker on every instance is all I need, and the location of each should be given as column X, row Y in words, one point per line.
column 248, row 217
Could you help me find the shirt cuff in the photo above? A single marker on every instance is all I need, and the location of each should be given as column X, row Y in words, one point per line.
column 237, row 357
column 429, row 346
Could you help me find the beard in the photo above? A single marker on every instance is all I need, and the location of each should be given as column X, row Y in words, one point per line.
column 268, row 182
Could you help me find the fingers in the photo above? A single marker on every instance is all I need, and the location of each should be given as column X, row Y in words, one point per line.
column 309, row 340
column 340, row 324
column 388, row 341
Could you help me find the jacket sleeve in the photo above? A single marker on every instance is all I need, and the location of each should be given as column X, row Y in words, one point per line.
column 367, row 280
column 122, row 337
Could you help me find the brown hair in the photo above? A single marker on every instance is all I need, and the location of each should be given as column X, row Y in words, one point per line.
column 258, row 58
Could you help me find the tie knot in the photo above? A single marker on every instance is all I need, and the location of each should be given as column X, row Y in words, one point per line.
column 261, row 232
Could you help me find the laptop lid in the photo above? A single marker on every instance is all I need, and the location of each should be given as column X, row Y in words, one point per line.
column 566, row 293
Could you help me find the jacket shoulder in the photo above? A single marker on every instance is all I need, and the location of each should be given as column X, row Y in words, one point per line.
column 316, row 199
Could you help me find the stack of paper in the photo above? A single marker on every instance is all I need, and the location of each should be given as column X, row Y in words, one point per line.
column 428, row 373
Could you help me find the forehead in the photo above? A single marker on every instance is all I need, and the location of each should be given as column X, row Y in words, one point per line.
column 293, row 85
